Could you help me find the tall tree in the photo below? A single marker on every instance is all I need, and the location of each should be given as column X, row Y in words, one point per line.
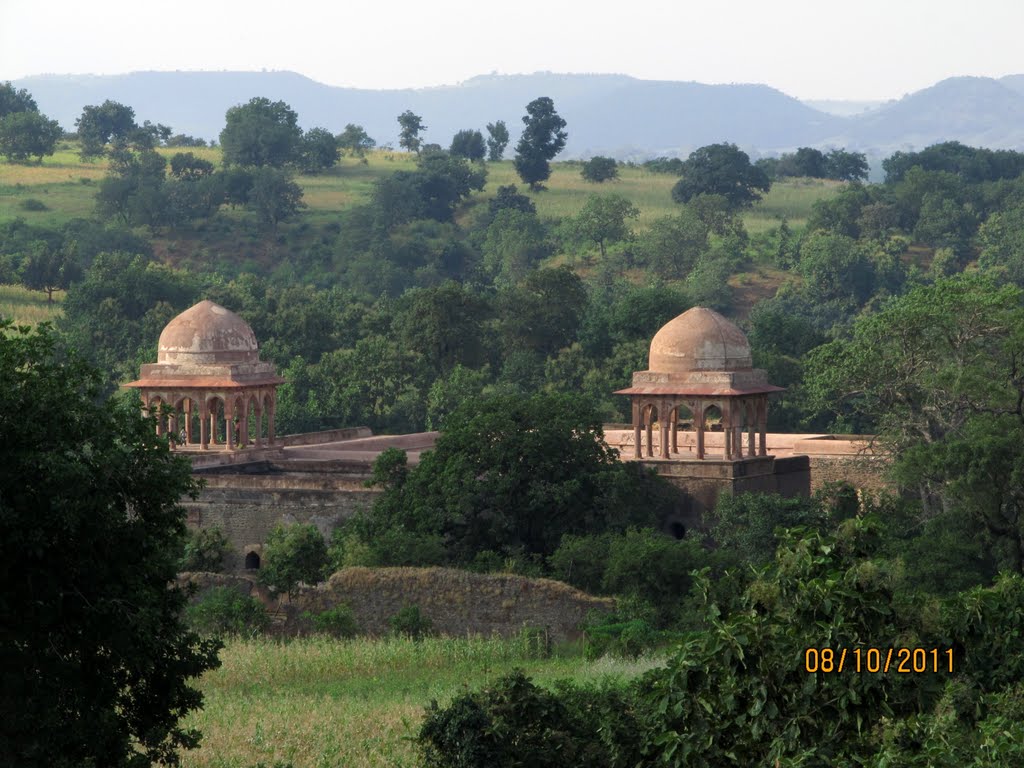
column 13, row 100
column 543, row 138
column 28, row 134
column 497, row 140
column 318, row 150
column 468, row 144
column 274, row 196
column 411, row 125
column 355, row 141
column 94, row 657
column 98, row 126
column 604, row 220
column 50, row 269
column 721, row 169
column 261, row 132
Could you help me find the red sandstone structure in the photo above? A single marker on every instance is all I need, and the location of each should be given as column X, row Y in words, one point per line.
column 208, row 387
column 700, row 367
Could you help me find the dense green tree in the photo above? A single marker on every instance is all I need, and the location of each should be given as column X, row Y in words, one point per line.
column 599, row 169
column 28, row 134
column 846, row 166
column 514, row 243
column 721, row 169
column 293, row 555
column 50, row 269
column 409, row 137
column 543, row 137
column 185, row 165
column 497, row 140
column 836, row 267
column 133, row 191
column 318, row 151
column 261, row 132
column 810, row 162
column 672, row 244
column 14, row 100
column 604, row 219
column 94, row 657
column 468, row 144
column 1002, row 244
column 355, row 141
column 515, row 474
column 508, row 196
column 444, row 324
column 935, row 373
column 98, row 126
column 274, row 196
column 543, row 312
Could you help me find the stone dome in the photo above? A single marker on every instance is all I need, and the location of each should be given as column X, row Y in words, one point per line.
column 207, row 334
column 700, row 339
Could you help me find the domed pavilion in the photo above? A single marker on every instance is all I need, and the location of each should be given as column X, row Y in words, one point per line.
column 209, row 388
column 700, row 370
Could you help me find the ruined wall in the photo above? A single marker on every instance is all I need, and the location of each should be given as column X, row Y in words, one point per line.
column 867, row 472
column 456, row 602
column 248, row 508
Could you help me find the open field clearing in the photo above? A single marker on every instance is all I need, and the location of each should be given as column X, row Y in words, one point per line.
column 66, row 186
column 318, row 702
column 27, row 307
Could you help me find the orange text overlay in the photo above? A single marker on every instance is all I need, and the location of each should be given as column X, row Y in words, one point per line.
column 900, row 660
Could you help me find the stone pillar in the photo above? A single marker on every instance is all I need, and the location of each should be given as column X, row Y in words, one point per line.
column 699, row 419
column 675, row 430
column 663, row 428
column 244, row 425
column 650, row 431
column 187, row 407
column 762, row 421
column 211, row 430
column 229, row 426
column 270, row 424
column 751, row 421
column 204, row 429
column 637, row 437
column 727, row 429
column 173, row 427
column 259, row 427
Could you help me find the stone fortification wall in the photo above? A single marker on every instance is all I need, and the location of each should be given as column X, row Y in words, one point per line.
column 456, row 602
column 248, row 507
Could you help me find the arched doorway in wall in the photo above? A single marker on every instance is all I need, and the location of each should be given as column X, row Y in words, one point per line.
column 252, row 561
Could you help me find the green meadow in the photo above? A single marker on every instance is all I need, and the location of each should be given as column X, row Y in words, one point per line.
column 316, row 702
column 66, row 186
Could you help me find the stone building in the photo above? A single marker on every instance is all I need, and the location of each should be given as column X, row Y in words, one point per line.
column 699, row 419
column 710, row 406
column 208, row 387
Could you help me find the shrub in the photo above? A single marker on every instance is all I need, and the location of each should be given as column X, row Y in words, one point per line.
column 32, row 204
column 625, row 638
column 293, row 554
column 338, row 621
column 224, row 611
column 205, row 550
column 581, row 561
column 516, row 723
column 409, row 622
column 598, row 169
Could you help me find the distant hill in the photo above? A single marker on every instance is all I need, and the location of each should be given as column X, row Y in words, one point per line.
column 607, row 114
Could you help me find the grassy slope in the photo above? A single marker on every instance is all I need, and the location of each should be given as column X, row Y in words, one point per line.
column 319, row 702
column 67, row 186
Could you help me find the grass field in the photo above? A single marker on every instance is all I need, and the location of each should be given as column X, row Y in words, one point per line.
column 318, row 702
column 67, row 187
column 27, row 307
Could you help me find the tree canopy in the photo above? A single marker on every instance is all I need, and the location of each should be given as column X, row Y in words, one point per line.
column 411, row 125
column 721, row 169
column 261, row 132
column 543, row 137
column 94, row 657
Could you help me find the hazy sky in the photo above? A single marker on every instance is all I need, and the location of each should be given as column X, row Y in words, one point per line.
column 855, row 49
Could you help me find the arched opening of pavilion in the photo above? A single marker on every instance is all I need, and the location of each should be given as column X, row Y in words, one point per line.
column 209, row 389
